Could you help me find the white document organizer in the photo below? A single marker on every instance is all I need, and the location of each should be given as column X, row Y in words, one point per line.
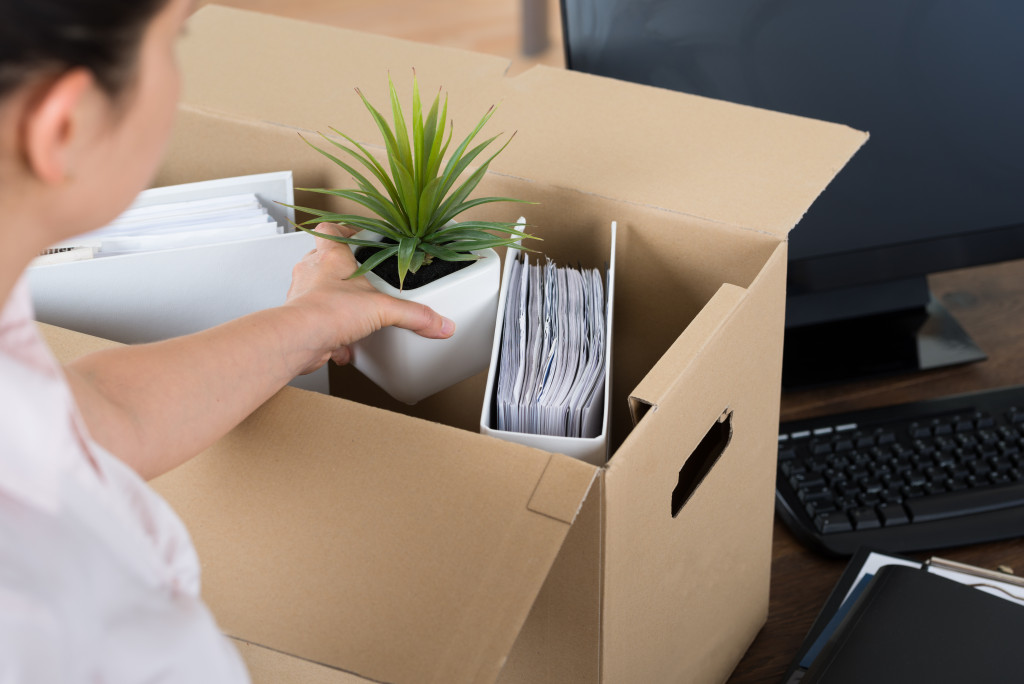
column 150, row 296
column 593, row 450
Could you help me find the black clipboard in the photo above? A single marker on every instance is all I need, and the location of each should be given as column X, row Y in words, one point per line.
column 910, row 625
column 829, row 617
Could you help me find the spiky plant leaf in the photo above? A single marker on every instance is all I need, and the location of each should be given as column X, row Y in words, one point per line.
column 447, row 254
column 510, row 228
column 418, row 257
column 416, row 195
column 375, row 260
column 431, row 139
column 406, row 248
column 401, row 131
column 417, row 135
column 370, row 161
column 373, row 201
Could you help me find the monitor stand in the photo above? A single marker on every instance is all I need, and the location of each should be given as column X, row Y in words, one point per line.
column 910, row 340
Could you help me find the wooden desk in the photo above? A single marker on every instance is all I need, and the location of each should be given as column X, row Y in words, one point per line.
column 989, row 303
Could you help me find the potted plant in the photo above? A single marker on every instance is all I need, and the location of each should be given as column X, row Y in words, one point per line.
column 412, row 247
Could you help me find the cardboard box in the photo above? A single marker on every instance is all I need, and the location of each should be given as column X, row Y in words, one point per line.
column 351, row 539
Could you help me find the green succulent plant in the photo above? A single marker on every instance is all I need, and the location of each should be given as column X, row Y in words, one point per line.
column 417, row 196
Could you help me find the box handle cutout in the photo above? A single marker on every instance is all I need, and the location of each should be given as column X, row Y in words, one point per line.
column 702, row 460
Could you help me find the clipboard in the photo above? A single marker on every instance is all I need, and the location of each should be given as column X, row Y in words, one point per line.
column 860, row 571
column 911, row 625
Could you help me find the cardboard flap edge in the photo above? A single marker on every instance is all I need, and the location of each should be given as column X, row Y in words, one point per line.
column 563, row 488
column 728, row 163
column 698, row 334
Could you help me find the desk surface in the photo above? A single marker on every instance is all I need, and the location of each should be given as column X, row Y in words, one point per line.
column 989, row 303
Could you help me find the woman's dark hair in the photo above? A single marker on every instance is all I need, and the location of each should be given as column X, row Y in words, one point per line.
column 100, row 35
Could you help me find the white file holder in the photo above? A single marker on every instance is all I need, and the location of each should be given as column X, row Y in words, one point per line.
column 594, row 449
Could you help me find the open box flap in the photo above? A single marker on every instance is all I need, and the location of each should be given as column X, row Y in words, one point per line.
column 729, row 163
column 716, row 160
column 303, row 75
column 415, row 557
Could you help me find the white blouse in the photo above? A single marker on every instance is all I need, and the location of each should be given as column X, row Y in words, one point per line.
column 99, row 581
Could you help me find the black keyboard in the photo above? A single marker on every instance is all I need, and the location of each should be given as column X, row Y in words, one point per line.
column 926, row 475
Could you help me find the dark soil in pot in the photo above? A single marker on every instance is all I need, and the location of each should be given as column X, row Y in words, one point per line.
column 387, row 270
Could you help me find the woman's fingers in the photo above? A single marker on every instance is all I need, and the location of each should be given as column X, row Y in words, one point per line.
column 418, row 318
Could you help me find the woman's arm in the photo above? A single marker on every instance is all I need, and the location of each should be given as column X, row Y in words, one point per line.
column 157, row 405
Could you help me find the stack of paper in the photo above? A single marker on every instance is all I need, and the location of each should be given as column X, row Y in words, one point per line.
column 551, row 367
column 169, row 225
column 549, row 379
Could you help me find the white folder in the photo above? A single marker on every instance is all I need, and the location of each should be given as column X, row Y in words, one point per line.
column 150, row 296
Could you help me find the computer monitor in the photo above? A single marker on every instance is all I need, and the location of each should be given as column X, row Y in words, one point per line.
column 938, row 84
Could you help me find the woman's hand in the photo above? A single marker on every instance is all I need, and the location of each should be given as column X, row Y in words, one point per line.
column 135, row 399
column 344, row 311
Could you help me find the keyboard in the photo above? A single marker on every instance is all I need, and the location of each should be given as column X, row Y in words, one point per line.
column 924, row 475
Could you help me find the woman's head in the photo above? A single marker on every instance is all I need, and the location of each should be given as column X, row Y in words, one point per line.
column 39, row 36
column 88, row 92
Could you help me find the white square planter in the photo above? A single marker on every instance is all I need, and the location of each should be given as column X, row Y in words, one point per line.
column 410, row 367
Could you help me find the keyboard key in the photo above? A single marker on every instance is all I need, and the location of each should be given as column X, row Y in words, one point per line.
column 919, row 431
column 980, row 468
column 915, row 478
column 806, row 481
column 869, row 500
column 893, row 514
column 872, row 487
column 821, row 448
column 843, row 445
column 815, row 508
column 830, row 523
column 865, row 518
column 912, row 492
column 886, row 438
column 808, row 494
column 966, row 502
column 864, row 441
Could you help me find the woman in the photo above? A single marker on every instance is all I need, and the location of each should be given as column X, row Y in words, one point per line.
column 99, row 581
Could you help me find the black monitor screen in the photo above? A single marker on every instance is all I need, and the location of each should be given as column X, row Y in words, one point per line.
column 938, row 84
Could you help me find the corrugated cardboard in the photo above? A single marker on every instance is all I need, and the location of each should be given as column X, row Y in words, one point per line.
column 353, row 539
